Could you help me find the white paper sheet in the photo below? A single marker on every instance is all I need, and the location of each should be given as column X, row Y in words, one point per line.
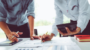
column 66, row 47
column 61, row 44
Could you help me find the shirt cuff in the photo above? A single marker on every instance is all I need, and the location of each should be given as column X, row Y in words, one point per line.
column 30, row 14
column 2, row 19
column 81, row 26
column 55, row 32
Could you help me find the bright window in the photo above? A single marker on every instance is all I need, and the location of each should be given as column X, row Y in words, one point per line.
column 45, row 16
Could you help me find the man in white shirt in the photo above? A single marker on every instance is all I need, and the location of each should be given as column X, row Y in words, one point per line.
column 77, row 10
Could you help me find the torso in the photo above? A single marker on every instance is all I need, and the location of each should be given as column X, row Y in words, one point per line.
column 66, row 8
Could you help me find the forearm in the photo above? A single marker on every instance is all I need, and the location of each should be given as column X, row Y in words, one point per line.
column 5, row 28
column 31, row 25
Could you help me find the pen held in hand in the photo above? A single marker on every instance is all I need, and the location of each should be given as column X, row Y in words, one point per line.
column 14, row 35
column 17, row 32
column 45, row 37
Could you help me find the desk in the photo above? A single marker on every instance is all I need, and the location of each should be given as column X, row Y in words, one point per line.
column 82, row 45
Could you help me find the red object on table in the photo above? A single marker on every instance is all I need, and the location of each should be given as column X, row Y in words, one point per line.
column 82, row 38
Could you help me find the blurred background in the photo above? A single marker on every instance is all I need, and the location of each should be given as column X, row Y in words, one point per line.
column 44, row 17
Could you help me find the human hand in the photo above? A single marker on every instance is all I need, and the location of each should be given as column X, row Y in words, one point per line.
column 13, row 36
column 47, row 37
column 78, row 29
column 35, row 37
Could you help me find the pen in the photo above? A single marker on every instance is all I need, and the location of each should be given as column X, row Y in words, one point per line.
column 74, row 6
column 46, row 33
column 46, row 37
column 16, row 33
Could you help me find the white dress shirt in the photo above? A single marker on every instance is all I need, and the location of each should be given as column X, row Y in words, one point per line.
column 76, row 10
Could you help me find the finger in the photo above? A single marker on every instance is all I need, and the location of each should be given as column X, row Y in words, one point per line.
column 32, row 38
column 15, row 39
column 12, row 39
column 15, row 34
column 68, row 31
column 47, row 37
column 37, row 37
column 43, row 36
column 40, row 36
column 60, row 32
column 43, row 41
column 65, row 34
column 20, row 33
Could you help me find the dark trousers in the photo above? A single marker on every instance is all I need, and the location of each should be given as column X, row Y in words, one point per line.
column 24, row 28
column 86, row 31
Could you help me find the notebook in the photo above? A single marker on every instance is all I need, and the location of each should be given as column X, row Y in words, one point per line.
column 82, row 38
column 78, row 36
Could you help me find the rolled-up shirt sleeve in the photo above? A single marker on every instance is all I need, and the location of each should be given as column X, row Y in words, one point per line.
column 84, row 14
column 30, row 10
column 3, row 13
column 58, row 19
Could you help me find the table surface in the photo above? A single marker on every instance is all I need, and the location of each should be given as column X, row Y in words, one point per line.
column 82, row 45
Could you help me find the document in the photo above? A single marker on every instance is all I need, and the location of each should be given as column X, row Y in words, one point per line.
column 65, row 47
column 62, row 44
